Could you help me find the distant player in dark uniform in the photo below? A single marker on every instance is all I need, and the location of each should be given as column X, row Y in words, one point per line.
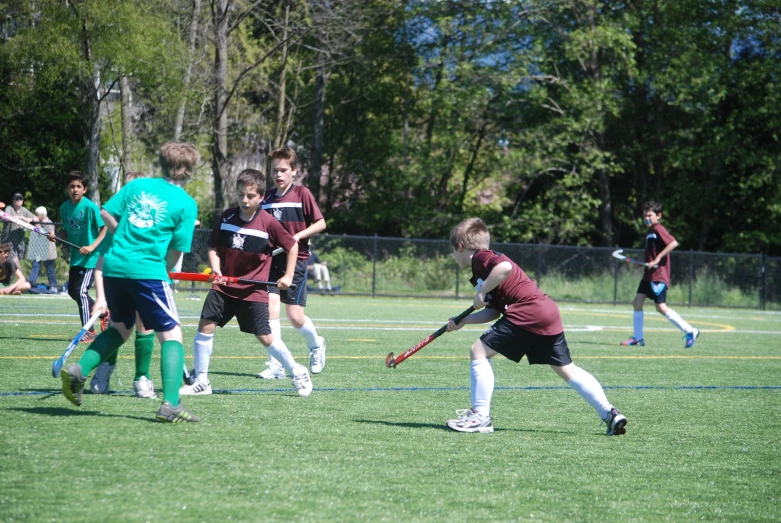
column 295, row 208
column 240, row 245
column 529, row 324
column 658, row 245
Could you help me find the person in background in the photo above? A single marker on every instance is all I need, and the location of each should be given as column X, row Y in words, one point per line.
column 40, row 250
column 14, row 233
column 9, row 269
column 319, row 270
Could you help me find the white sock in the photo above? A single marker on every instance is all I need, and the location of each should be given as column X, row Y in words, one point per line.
column 590, row 390
column 309, row 333
column 678, row 321
column 482, row 378
column 638, row 318
column 202, row 349
column 281, row 353
column 276, row 330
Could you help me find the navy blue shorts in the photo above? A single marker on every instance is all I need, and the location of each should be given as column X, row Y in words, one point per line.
column 251, row 315
column 514, row 342
column 656, row 290
column 152, row 299
column 288, row 297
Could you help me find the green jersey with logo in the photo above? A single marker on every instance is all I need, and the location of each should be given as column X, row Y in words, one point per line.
column 82, row 222
column 153, row 215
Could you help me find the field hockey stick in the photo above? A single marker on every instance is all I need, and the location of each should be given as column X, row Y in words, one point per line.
column 391, row 361
column 13, row 219
column 617, row 254
column 60, row 362
column 211, row 278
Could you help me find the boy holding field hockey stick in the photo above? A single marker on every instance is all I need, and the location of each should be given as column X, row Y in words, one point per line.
column 241, row 245
column 295, row 208
column 656, row 278
column 529, row 324
column 152, row 220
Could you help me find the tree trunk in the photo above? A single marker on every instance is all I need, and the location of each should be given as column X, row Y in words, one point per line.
column 281, row 132
column 319, row 123
column 220, row 124
column 127, row 125
column 193, row 37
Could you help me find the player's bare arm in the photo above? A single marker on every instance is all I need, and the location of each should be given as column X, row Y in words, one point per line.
column 316, row 228
column 290, row 269
column 171, row 258
column 88, row 249
column 109, row 220
column 482, row 316
column 496, row 278
column 667, row 250
column 214, row 262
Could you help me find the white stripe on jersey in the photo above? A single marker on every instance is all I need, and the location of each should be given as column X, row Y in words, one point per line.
column 280, row 205
column 241, row 230
column 651, row 235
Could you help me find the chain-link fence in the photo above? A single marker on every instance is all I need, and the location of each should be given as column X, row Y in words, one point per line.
column 375, row 266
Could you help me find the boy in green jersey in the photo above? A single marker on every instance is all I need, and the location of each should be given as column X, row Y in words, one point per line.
column 152, row 220
column 83, row 226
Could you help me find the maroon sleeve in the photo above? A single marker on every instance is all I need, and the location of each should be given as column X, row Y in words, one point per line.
column 278, row 236
column 664, row 235
column 311, row 210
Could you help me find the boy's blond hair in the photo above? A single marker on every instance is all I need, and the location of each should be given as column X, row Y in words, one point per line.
column 178, row 160
column 472, row 234
column 132, row 175
column 285, row 153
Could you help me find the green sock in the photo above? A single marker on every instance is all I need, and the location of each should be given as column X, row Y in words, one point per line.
column 171, row 369
column 145, row 344
column 105, row 346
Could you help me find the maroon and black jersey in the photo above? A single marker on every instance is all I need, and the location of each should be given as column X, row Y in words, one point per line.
column 517, row 298
column 296, row 211
column 655, row 241
column 245, row 250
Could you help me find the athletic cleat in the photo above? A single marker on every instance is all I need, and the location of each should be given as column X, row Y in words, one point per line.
column 633, row 341
column 179, row 414
column 100, row 380
column 616, row 422
column 470, row 421
column 188, row 377
column 317, row 357
column 275, row 371
column 144, row 388
column 88, row 337
column 105, row 321
column 690, row 338
column 195, row 389
column 301, row 381
column 72, row 383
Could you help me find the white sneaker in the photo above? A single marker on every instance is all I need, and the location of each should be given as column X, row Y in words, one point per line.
column 195, row 389
column 100, row 381
column 275, row 371
column 470, row 421
column 301, row 381
column 144, row 388
column 317, row 357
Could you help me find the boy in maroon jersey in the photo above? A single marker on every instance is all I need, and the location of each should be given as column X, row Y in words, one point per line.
column 295, row 208
column 658, row 245
column 240, row 245
column 530, row 325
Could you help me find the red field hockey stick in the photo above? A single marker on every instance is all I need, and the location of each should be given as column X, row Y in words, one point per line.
column 391, row 361
column 211, row 278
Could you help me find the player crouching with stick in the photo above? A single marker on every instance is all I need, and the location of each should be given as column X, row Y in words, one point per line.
column 241, row 245
column 529, row 324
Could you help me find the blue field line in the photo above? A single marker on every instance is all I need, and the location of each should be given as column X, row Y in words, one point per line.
column 429, row 389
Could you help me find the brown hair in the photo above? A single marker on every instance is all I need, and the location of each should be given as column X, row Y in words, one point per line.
column 252, row 178
column 472, row 234
column 6, row 247
column 178, row 160
column 285, row 153
column 656, row 207
column 132, row 175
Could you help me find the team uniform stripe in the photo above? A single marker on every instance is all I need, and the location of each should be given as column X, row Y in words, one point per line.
column 241, row 230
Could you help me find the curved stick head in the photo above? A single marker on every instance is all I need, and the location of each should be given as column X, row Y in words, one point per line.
column 390, row 361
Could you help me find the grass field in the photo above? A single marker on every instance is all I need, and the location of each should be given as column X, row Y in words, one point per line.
column 370, row 443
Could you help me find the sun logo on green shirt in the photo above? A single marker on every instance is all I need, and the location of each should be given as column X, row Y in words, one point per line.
column 146, row 210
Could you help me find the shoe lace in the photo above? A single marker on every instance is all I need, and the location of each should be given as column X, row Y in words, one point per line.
column 463, row 413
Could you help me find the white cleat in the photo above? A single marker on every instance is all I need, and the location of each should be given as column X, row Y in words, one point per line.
column 144, row 388
column 100, row 381
column 301, row 381
column 317, row 357
column 196, row 389
column 275, row 371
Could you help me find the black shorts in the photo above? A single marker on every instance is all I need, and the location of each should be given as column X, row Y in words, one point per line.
column 514, row 342
column 649, row 289
column 251, row 315
column 288, row 297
